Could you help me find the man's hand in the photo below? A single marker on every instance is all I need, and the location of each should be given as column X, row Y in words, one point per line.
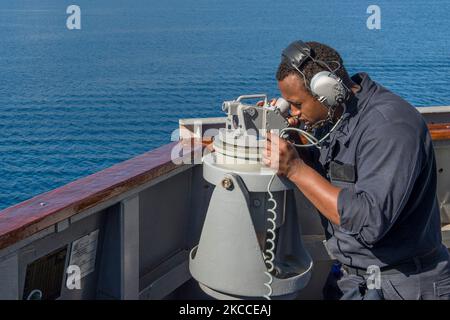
column 272, row 102
column 281, row 155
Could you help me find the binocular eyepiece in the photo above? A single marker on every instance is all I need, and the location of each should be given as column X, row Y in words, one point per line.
column 282, row 106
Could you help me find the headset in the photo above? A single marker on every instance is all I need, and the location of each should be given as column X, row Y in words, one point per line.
column 325, row 86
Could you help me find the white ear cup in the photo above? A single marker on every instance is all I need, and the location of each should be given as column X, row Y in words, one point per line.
column 328, row 88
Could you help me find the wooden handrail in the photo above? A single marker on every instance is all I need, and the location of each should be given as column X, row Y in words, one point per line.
column 38, row 213
column 439, row 131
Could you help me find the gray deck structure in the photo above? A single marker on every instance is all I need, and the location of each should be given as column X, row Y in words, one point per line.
column 131, row 228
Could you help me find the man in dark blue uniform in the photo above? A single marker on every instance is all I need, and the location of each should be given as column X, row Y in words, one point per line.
column 373, row 179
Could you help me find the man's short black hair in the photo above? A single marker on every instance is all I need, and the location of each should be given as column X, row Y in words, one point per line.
column 323, row 53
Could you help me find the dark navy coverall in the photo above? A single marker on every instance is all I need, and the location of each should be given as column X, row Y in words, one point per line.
column 382, row 157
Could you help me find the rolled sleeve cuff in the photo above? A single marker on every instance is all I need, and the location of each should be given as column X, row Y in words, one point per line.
column 351, row 217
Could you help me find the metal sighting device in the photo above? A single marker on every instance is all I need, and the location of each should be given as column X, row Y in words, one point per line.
column 242, row 140
column 250, row 245
column 255, row 117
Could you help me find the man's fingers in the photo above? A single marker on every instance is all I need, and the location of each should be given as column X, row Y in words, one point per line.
column 210, row 147
column 273, row 138
column 261, row 102
column 293, row 121
column 268, row 141
column 273, row 143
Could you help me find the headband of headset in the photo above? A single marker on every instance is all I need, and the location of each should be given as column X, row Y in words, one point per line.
column 297, row 53
column 325, row 85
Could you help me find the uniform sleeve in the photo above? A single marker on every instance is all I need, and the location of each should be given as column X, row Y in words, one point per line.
column 389, row 161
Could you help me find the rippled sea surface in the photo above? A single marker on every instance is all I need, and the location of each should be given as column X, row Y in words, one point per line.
column 75, row 102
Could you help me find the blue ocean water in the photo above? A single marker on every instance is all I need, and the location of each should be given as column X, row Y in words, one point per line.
column 75, row 102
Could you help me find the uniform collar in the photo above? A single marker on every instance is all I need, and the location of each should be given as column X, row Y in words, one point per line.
column 355, row 106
